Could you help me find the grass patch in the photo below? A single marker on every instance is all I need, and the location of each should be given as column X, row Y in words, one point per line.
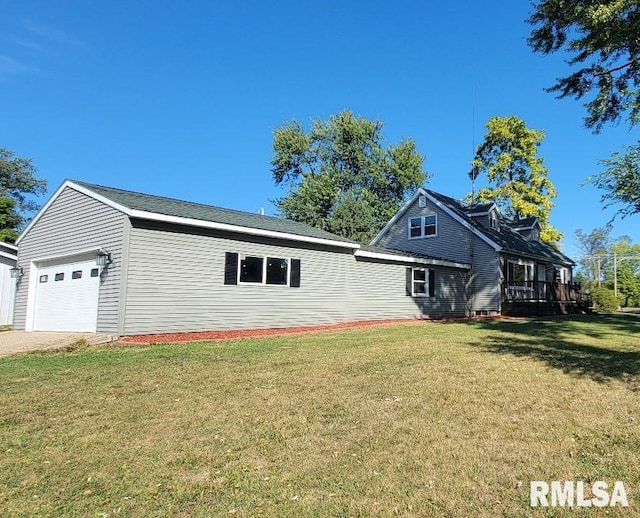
column 433, row 419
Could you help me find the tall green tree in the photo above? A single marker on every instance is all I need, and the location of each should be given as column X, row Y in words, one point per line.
column 18, row 187
column 342, row 176
column 602, row 42
column 627, row 266
column 621, row 180
column 594, row 248
column 517, row 178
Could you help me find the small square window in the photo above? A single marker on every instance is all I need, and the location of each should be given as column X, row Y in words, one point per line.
column 277, row 271
column 430, row 225
column 415, row 225
column 251, row 269
column 94, row 272
column 44, row 278
column 59, row 277
column 77, row 274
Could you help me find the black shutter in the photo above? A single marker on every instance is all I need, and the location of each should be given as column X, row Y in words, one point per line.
column 295, row 273
column 432, row 283
column 409, row 281
column 231, row 268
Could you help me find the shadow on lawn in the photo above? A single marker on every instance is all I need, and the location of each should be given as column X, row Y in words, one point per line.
column 559, row 342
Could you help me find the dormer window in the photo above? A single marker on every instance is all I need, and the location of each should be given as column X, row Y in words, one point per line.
column 535, row 234
column 493, row 220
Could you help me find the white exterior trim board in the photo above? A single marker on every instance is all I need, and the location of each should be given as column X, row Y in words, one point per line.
column 411, row 259
column 153, row 216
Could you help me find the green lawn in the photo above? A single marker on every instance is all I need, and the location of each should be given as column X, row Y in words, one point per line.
column 418, row 419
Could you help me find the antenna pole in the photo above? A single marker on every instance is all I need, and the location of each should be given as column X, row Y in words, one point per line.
column 473, row 142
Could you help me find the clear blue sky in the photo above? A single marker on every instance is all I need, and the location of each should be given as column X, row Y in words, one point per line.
column 181, row 98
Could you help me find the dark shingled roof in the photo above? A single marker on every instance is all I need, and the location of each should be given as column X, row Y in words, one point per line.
column 522, row 223
column 506, row 237
column 209, row 213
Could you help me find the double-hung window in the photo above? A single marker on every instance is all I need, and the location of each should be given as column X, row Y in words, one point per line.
column 420, row 282
column 423, row 226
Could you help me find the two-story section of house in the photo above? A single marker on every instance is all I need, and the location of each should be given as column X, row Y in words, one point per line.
column 513, row 271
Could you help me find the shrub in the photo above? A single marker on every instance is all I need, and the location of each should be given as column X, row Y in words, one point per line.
column 604, row 299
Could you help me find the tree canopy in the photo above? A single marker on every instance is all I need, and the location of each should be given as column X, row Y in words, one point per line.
column 342, row 175
column 18, row 186
column 602, row 40
column 518, row 181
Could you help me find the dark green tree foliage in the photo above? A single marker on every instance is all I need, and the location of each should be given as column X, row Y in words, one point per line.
column 621, row 180
column 342, row 176
column 602, row 40
column 18, row 186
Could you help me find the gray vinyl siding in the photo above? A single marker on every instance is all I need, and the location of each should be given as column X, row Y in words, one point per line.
column 451, row 242
column 176, row 283
column 377, row 290
column 73, row 223
column 486, row 277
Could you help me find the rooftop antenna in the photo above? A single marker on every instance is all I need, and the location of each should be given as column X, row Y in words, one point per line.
column 473, row 143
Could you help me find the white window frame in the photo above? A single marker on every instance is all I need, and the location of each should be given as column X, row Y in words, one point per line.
column 264, row 258
column 529, row 268
column 425, row 282
column 493, row 220
column 422, row 225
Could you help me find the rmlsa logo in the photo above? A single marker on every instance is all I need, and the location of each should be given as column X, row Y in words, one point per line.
column 570, row 494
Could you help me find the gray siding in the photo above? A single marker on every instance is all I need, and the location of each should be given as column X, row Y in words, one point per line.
column 377, row 290
column 486, row 277
column 451, row 242
column 73, row 223
column 176, row 283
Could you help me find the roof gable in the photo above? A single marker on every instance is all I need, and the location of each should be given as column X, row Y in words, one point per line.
column 158, row 208
column 433, row 197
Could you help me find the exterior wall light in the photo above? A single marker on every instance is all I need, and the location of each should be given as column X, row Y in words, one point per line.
column 16, row 272
column 103, row 258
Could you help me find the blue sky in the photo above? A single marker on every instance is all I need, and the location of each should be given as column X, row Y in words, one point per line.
column 181, row 99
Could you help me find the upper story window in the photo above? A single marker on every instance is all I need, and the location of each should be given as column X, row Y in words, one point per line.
column 493, row 220
column 423, row 226
column 535, row 234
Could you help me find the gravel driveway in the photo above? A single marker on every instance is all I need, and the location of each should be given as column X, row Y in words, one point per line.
column 12, row 342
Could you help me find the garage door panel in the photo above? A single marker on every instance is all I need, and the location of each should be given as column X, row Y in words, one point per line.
column 67, row 296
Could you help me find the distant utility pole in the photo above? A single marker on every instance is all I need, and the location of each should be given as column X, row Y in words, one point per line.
column 616, row 260
column 615, row 268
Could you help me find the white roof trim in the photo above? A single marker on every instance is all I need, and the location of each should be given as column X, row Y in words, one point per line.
column 9, row 245
column 54, row 197
column 8, row 256
column 236, row 228
column 446, row 209
column 398, row 215
column 411, row 259
column 133, row 213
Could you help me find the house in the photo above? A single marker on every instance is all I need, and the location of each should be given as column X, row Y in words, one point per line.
column 8, row 258
column 102, row 259
column 513, row 272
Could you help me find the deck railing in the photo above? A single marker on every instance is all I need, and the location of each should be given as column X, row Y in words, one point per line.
column 539, row 291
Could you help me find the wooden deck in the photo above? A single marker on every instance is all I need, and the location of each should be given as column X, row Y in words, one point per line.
column 543, row 298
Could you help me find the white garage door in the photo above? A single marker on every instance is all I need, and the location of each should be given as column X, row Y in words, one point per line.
column 67, row 296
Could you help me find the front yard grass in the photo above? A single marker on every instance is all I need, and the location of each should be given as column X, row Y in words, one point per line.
column 419, row 419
